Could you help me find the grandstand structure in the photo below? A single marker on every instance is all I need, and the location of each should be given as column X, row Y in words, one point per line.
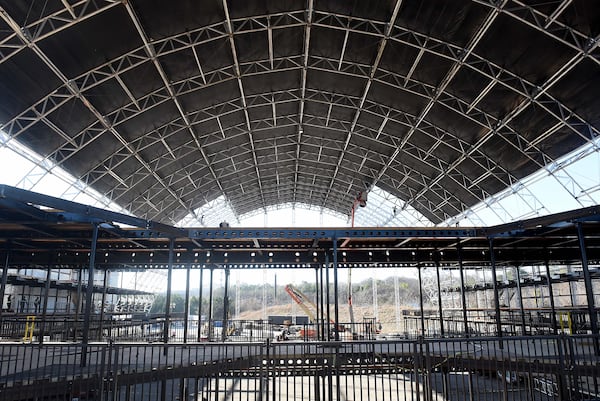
column 459, row 137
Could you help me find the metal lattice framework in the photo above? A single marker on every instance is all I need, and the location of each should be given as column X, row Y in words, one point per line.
column 182, row 106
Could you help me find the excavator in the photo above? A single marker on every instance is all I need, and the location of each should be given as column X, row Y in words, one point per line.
column 309, row 307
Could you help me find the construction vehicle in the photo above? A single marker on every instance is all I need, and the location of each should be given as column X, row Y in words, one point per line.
column 309, row 307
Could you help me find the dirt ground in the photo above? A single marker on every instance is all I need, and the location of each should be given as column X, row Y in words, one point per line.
column 386, row 314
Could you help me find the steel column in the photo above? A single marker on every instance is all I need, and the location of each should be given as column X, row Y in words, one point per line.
column 318, row 311
column 463, row 295
column 439, row 288
column 88, row 297
column 421, row 309
column 45, row 304
column 336, row 308
column 167, row 325
column 186, row 316
column 589, row 288
column 520, row 294
column 200, row 305
column 225, row 304
column 78, row 302
column 4, row 281
column 323, row 320
column 104, row 288
column 495, row 286
column 327, row 296
column 572, row 291
column 551, row 295
column 210, row 305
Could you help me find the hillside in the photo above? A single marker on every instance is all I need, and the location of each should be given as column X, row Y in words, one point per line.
column 387, row 314
column 252, row 298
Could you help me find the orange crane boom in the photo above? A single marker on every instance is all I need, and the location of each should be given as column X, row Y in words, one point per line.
column 306, row 304
column 303, row 301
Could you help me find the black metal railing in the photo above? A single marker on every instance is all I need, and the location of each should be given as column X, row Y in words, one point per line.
column 480, row 323
column 516, row 368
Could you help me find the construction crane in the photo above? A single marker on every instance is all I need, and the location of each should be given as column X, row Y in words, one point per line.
column 309, row 307
column 303, row 301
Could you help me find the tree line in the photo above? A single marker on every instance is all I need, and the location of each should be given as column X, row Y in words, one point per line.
column 251, row 296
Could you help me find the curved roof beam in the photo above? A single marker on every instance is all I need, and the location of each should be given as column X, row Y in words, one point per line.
column 519, row 142
column 551, row 26
column 108, row 165
column 371, row 76
column 151, row 52
column 158, row 98
column 424, row 154
column 306, row 46
column 50, row 24
column 238, row 77
column 438, row 92
column 77, row 93
column 181, row 41
column 175, row 126
column 213, row 32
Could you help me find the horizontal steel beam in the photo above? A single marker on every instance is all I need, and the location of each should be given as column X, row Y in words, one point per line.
column 86, row 212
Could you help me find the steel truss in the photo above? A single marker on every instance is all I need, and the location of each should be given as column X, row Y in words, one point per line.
column 410, row 170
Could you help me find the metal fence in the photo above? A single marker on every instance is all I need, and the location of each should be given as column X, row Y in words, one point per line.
column 143, row 328
column 516, row 368
column 176, row 330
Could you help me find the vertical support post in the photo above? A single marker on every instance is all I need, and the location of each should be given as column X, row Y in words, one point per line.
column 572, row 287
column 495, row 286
column 200, row 304
column 78, row 303
column 589, row 289
column 186, row 315
column 210, row 304
column 225, row 305
column 421, row 309
column 322, row 319
column 551, row 296
column 88, row 297
column 521, row 308
column 337, row 318
column 4, row 281
column 104, row 288
column 327, row 296
column 463, row 295
column 318, row 311
column 439, row 288
column 45, row 303
column 336, row 309
column 167, row 326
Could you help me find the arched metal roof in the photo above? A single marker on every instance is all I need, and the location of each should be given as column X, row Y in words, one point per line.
column 168, row 106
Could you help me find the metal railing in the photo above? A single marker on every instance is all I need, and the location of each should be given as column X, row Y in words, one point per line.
column 153, row 330
column 517, row 368
column 148, row 329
